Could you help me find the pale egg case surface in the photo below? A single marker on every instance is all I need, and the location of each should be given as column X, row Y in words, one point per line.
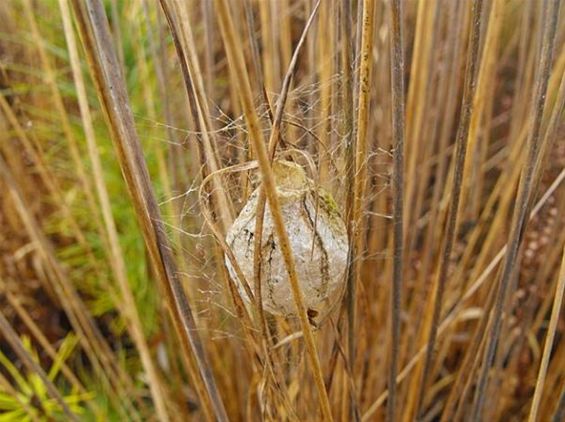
column 318, row 240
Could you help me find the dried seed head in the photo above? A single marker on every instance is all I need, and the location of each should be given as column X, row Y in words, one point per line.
column 318, row 239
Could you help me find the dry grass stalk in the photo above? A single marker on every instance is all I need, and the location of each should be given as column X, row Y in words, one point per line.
column 451, row 229
column 96, row 348
column 236, row 60
column 12, row 337
column 42, row 340
column 108, row 77
column 523, row 199
column 359, row 170
column 557, row 301
column 116, row 257
column 398, row 134
column 215, row 111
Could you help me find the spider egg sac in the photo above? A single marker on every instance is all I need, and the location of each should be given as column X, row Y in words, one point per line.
column 318, row 239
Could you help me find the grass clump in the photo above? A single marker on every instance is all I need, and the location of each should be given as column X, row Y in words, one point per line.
column 133, row 133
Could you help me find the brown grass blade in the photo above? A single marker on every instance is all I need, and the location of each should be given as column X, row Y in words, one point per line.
column 398, row 134
column 557, row 301
column 451, row 229
column 116, row 257
column 99, row 353
column 523, row 198
column 236, row 60
column 105, row 69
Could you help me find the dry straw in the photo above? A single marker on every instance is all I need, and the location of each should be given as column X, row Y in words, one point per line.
column 282, row 210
